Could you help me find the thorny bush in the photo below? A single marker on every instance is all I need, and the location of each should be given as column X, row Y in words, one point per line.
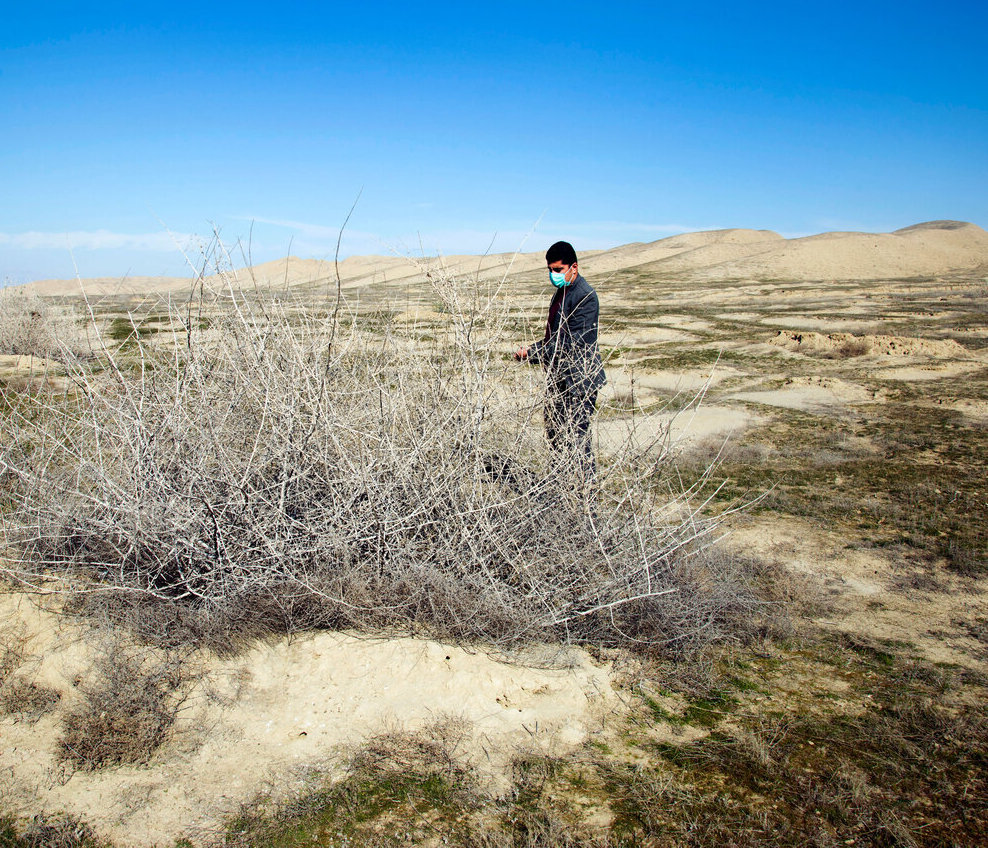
column 262, row 455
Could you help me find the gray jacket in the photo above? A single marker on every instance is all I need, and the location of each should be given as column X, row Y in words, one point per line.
column 569, row 351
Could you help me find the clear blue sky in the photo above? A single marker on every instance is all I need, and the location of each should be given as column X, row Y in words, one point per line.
column 601, row 123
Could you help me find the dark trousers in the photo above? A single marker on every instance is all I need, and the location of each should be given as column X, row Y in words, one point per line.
column 567, row 427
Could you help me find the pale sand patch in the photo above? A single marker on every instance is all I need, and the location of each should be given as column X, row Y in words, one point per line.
column 974, row 409
column 11, row 364
column 812, row 393
column 826, row 325
column 644, row 337
column 259, row 720
column 932, row 371
column 675, row 431
column 683, row 322
column 863, row 596
column 23, row 372
column 621, row 380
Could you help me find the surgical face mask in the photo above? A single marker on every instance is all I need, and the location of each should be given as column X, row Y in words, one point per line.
column 557, row 278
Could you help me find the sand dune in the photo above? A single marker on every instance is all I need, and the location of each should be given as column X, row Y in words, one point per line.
column 110, row 285
column 730, row 242
column 930, row 249
column 922, row 250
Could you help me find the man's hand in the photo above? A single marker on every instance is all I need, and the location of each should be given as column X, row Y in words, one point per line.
column 521, row 354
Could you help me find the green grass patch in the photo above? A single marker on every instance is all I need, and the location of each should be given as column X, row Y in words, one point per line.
column 126, row 331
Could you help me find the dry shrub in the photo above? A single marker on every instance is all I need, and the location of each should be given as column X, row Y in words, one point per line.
column 851, row 347
column 26, row 327
column 33, row 326
column 27, row 699
column 732, row 598
column 48, row 831
column 276, row 466
column 126, row 709
column 224, row 629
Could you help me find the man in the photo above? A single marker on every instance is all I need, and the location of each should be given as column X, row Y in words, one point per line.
column 569, row 354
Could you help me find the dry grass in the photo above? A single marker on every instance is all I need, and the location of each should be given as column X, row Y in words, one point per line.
column 27, row 700
column 48, row 832
column 126, row 709
column 901, row 763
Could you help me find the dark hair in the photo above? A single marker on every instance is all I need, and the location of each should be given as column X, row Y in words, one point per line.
column 561, row 251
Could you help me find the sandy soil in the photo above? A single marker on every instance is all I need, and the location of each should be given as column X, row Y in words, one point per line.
column 864, row 591
column 259, row 722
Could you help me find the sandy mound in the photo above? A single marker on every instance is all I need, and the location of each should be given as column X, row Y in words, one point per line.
column 928, row 371
column 370, row 269
column 875, row 345
column 801, row 323
column 258, row 721
column 938, row 247
column 697, row 260
column 294, row 271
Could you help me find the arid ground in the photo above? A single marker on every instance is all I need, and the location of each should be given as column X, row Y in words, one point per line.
column 838, row 387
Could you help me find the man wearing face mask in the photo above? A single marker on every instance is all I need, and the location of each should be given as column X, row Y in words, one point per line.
column 569, row 354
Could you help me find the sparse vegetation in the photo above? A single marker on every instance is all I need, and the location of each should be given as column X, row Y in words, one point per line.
column 215, row 477
column 902, row 763
column 48, row 832
column 27, row 699
column 127, row 707
column 920, row 486
column 32, row 326
column 20, row 696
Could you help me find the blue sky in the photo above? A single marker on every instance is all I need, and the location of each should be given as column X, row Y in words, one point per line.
column 129, row 134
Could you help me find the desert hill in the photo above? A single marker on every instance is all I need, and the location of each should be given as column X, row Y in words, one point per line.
column 930, row 249
column 922, row 250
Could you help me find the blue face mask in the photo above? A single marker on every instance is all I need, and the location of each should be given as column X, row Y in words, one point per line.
column 558, row 279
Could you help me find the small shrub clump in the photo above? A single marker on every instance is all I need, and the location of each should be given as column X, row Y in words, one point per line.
column 125, row 712
column 48, row 831
column 33, row 326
